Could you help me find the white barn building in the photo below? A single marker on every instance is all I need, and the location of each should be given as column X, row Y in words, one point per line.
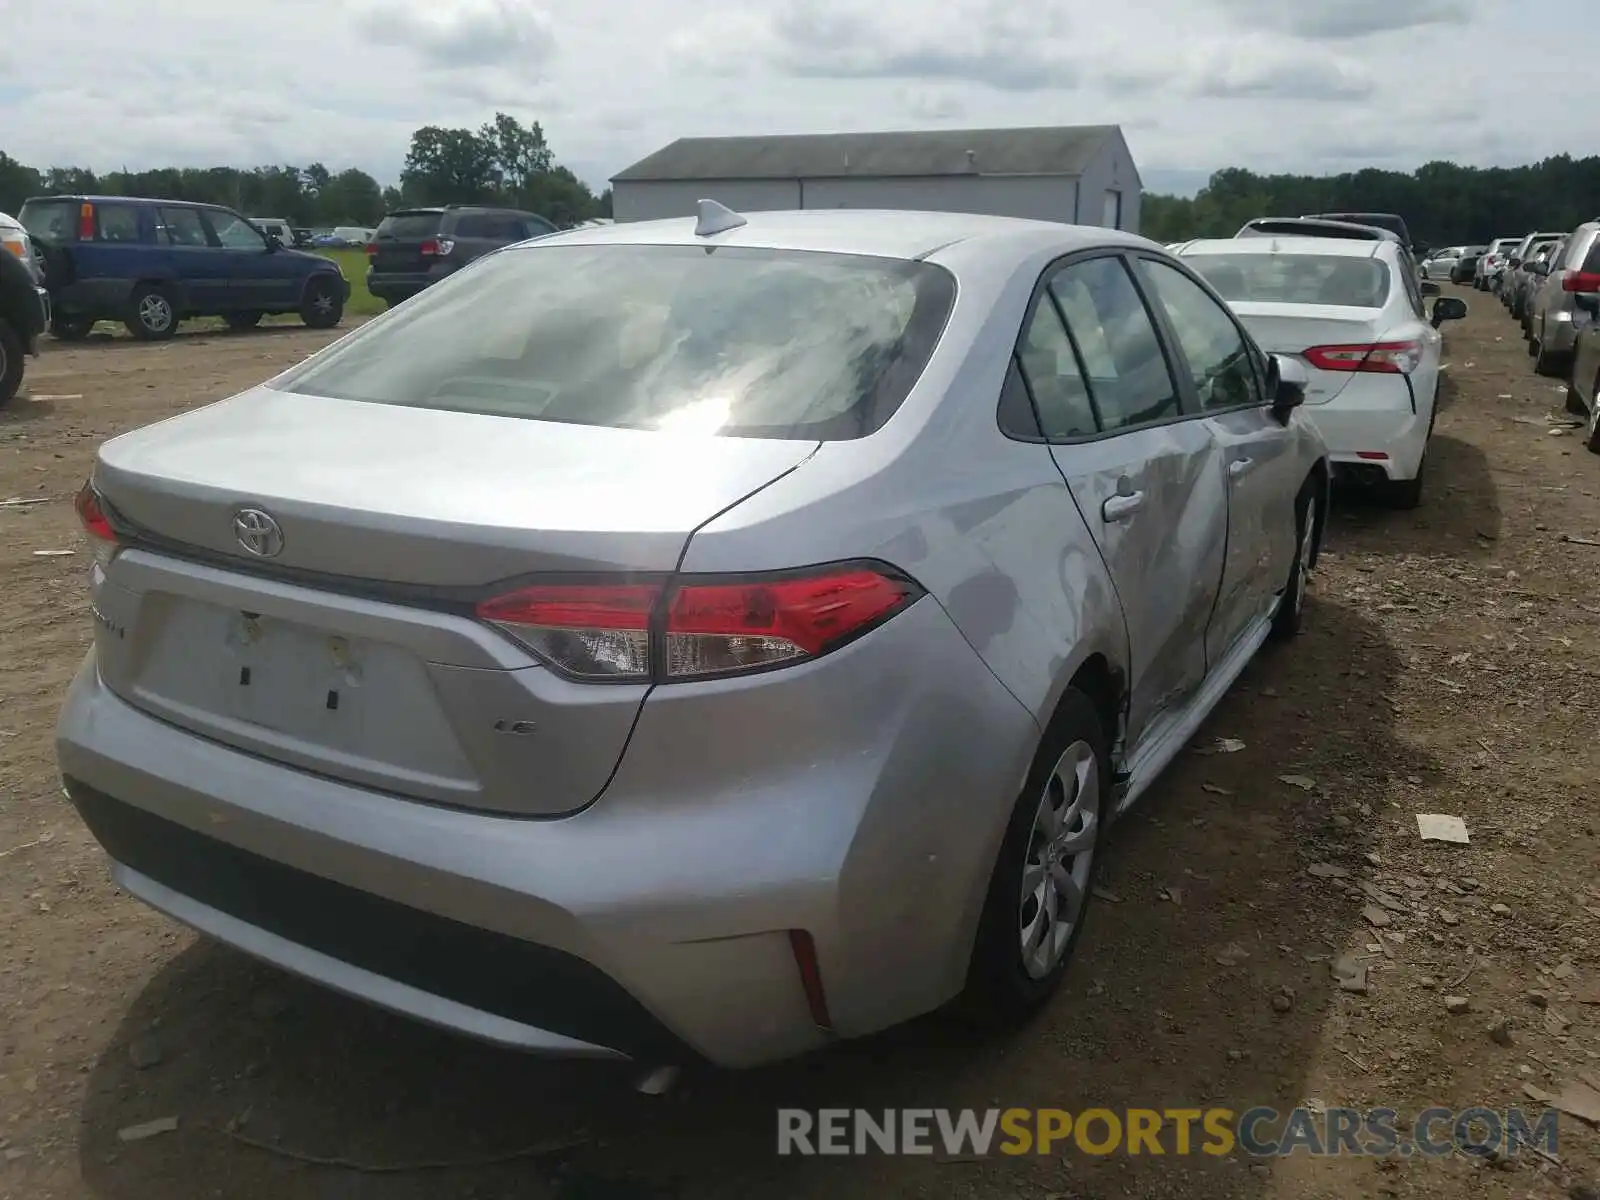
column 1078, row 174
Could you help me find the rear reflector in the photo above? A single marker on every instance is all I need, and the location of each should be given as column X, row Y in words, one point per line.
column 805, row 958
column 1581, row 281
column 1374, row 455
column 643, row 631
column 1384, row 358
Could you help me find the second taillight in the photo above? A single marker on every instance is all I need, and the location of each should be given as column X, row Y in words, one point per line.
column 698, row 630
column 1580, row 281
column 1384, row 358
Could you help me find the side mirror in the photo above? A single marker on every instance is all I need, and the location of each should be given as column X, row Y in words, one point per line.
column 274, row 242
column 1287, row 381
column 1448, row 308
column 1428, row 288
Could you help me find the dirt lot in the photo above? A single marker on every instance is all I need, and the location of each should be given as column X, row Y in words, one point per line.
column 1452, row 665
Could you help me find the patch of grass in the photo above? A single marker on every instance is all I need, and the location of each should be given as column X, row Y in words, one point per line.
column 354, row 265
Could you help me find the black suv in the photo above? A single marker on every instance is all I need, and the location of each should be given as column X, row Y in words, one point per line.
column 418, row 246
column 1390, row 221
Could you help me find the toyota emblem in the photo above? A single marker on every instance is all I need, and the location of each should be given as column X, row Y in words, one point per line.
column 258, row 533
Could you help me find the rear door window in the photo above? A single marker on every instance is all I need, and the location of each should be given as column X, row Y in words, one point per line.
column 117, row 222
column 1129, row 383
column 182, row 227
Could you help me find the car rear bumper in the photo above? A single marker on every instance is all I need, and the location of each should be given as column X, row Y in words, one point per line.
column 654, row 924
column 1372, row 418
column 395, row 286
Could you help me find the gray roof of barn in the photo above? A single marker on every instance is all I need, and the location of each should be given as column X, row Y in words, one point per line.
column 1038, row 150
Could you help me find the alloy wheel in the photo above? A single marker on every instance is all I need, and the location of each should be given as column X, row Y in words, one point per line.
column 155, row 312
column 1303, row 555
column 1056, row 869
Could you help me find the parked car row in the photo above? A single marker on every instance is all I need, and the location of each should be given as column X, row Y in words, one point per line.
column 1551, row 284
column 938, row 537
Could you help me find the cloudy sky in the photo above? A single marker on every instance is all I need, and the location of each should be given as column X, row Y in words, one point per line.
column 1302, row 85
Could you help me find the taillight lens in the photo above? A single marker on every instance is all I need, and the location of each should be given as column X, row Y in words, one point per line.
column 1384, row 358
column 86, row 222
column 92, row 513
column 689, row 630
column 371, row 249
column 1581, row 281
column 431, row 248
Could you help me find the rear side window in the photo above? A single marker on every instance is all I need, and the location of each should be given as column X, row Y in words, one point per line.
column 409, row 226
column 50, row 220
column 182, row 227
column 1054, row 378
column 735, row 340
column 1129, row 383
column 117, row 222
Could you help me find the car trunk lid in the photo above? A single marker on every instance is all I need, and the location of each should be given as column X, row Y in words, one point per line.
column 1291, row 330
column 352, row 651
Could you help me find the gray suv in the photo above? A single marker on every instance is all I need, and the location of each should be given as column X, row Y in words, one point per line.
column 415, row 247
column 1553, row 314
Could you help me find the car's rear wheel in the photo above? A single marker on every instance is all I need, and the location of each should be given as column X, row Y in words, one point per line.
column 71, row 329
column 1592, row 440
column 1289, row 616
column 1041, row 887
column 11, row 356
column 248, row 319
column 323, row 306
column 153, row 317
column 1575, row 404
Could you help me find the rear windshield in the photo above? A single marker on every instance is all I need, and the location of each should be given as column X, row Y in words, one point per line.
column 731, row 340
column 50, row 220
column 1296, row 278
column 409, row 225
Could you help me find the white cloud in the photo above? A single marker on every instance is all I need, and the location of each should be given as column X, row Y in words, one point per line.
column 1198, row 84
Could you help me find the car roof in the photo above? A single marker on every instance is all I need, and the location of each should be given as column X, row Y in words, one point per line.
column 885, row 233
column 1334, row 247
column 88, row 199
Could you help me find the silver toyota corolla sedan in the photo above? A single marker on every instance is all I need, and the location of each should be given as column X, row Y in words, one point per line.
column 691, row 640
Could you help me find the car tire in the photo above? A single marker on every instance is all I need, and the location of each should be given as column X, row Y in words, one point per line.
column 1551, row 366
column 1575, row 404
column 1071, row 774
column 1289, row 616
column 12, row 354
column 71, row 329
column 323, row 305
column 240, row 321
column 1592, row 438
column 152, row 314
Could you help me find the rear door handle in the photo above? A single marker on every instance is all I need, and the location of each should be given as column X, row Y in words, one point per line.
column 1241, row 466
column 1120, row 508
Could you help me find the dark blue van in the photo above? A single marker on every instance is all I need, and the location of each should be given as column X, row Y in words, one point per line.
column 153, row 263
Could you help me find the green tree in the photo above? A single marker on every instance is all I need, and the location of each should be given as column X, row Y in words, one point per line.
column 449, row 166
column 17, row 183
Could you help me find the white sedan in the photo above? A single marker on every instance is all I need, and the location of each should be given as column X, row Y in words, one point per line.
column 1358, row 320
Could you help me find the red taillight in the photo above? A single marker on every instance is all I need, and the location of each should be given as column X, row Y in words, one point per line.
column 1384, row 358
column 804, row 948
column 86, row 222
column 429, row 248
column 1581, row 281
column 371, row 249
column 706, row 630
column 92, row 513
